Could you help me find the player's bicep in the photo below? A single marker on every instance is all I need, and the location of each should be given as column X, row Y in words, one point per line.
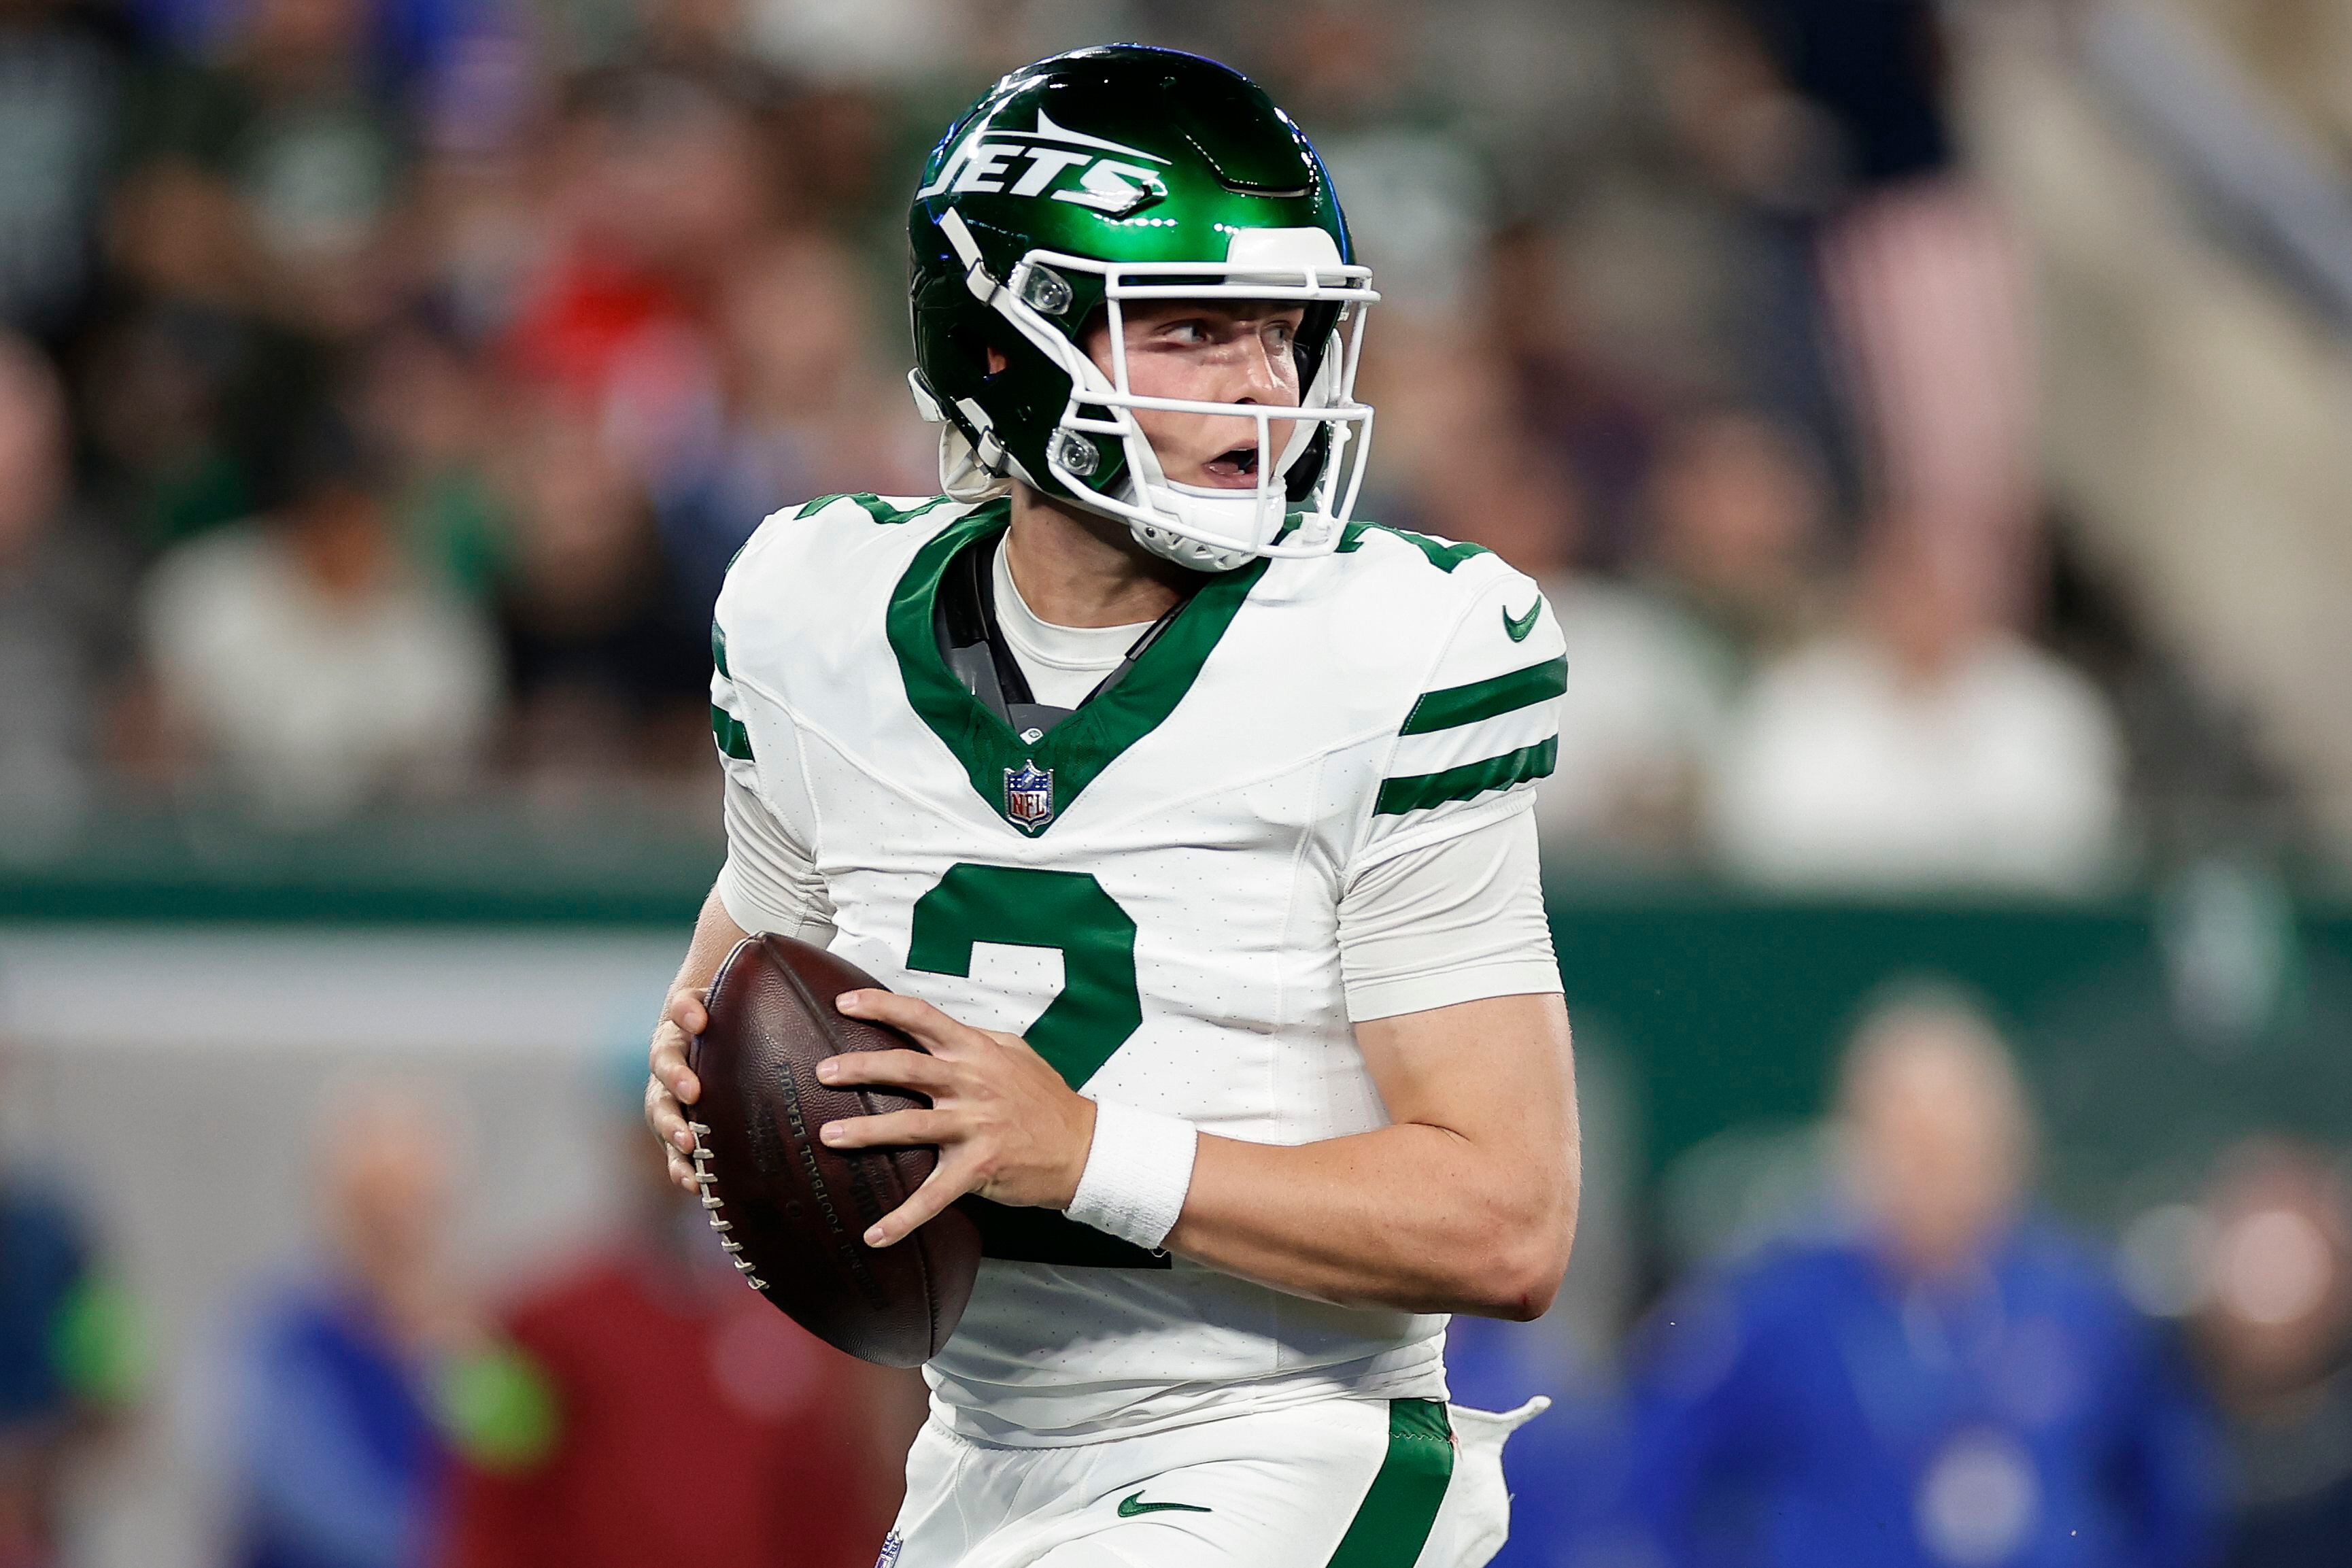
column 1497, row 1071
column 1494, row 1076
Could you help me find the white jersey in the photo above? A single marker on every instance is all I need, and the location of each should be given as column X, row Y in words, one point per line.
column 1148, row 894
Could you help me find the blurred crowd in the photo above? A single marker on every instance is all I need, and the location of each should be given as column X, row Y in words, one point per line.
column 389, row 388
column 1911, row 1361
column 1918, row 1365
column 385, row 384
column 363, row 1404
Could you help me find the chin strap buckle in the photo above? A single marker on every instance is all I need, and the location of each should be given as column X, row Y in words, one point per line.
column 989, row 450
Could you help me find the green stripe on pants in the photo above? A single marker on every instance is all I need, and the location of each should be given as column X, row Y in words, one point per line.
column 1390, row 1528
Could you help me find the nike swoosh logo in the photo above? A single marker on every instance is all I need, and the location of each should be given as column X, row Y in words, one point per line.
column 1518, row 626
column 1133, row 1504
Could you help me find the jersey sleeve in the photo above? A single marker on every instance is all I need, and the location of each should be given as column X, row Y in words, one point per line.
column 1457, row 920
column 1483, row 729
column 770, row 881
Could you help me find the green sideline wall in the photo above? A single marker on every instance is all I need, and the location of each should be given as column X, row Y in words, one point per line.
column 2156, row 1027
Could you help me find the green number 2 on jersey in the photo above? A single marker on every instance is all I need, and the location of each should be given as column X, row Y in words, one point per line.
column 1099, row 1006
column 1097, row 1009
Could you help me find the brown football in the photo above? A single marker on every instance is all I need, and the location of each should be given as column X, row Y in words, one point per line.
column 792, row 1212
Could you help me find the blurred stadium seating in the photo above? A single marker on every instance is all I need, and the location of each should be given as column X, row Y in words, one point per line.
column 1927, row 420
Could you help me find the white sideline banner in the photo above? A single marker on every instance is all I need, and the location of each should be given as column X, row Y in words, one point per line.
column 394, row 989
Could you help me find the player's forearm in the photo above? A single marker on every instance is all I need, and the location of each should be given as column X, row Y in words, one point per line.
column 1466, row 1202
column 1411, row 1216
column 715, row 936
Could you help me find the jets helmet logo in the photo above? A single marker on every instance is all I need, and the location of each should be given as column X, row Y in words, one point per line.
column 1067, row 165
column 1029, row 795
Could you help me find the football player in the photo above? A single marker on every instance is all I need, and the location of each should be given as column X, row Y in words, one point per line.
column 1188, row 821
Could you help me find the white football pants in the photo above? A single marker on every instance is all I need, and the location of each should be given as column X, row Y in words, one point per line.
column 1338, row 1483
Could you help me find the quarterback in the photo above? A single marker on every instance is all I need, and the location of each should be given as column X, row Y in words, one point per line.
column 1188, row 821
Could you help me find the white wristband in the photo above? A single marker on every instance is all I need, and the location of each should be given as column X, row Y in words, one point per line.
column 1137, row 1172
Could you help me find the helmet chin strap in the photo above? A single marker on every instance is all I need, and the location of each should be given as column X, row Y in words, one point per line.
column 963, row 478
column 1188, row 552
column 1197, row 510
column 1205, row 510
column 1226, row 512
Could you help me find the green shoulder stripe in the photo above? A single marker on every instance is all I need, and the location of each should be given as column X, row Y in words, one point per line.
column 1459, row 705
column 875, row 507
column 728, row 731
column 719, row 650
column 1393, row 1523
column 1444, row 556
column 1469, row 782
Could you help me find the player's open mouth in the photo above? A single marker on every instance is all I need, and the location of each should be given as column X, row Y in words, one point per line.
column 1237, row 466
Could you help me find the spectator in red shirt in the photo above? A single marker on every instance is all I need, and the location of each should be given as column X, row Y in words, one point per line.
column 647, row 1401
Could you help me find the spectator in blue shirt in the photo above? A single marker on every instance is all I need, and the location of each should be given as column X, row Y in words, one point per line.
column 1955, row 1384
column 338, row 1461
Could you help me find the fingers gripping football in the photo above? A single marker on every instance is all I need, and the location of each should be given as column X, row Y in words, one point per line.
column 1007, row 1126
column 672, row 1086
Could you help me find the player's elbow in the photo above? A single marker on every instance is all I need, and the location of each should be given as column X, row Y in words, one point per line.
column 1518, row 1280
column 1515, row 1273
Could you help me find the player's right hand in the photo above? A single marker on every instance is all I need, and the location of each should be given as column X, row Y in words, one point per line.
column 673, row 1085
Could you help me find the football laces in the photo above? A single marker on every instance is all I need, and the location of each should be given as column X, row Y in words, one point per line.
column 713, row 1206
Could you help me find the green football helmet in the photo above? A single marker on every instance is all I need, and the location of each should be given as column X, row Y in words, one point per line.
column 1124, row 173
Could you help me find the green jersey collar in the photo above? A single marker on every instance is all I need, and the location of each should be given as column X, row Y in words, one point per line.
column 1030, row 787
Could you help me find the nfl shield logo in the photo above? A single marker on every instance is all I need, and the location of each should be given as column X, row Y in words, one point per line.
column 1029, row 795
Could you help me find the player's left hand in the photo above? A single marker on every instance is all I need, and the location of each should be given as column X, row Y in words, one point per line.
column 1006, row 1125
column 671, row 1085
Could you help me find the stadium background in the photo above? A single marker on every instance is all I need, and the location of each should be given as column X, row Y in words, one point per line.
column 1927, row 420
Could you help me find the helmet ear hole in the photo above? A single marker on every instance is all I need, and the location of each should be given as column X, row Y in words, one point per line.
column 973, row 347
